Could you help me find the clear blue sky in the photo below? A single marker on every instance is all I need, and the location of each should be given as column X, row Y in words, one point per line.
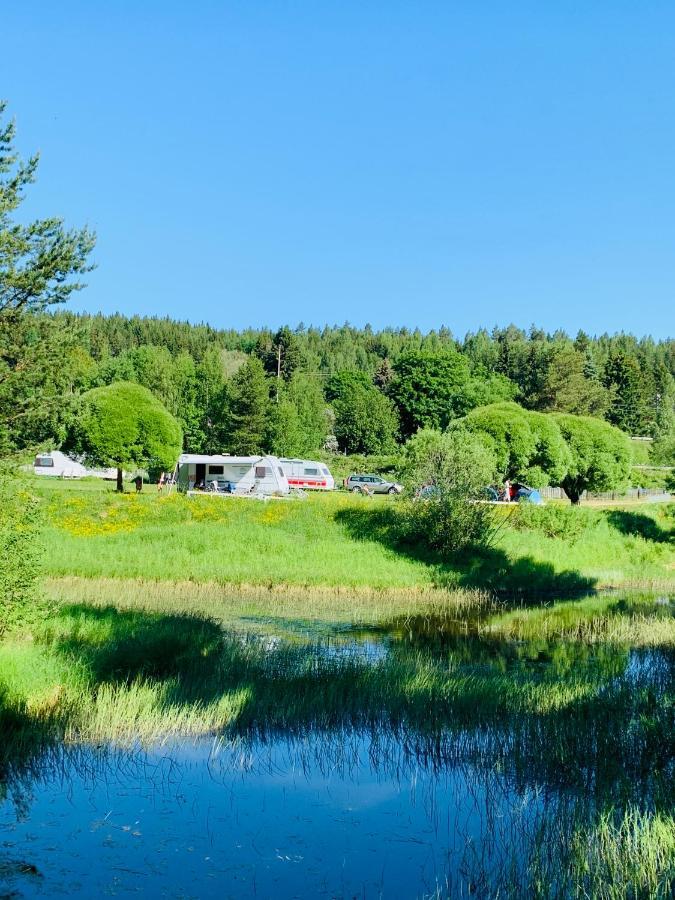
column 400, row 163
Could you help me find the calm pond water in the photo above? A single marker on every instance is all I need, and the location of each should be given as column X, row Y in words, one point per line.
column 279, row 820
column 374, row 809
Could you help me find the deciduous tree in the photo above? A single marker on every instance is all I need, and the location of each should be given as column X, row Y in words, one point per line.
column 365, row 420
column 430, row 389
column 600, row 455
column 124, row 425
column 528, row 446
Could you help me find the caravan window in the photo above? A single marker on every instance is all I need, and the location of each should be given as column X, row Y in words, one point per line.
column 281, row 471
column 262, row 471
column 216, row 470
column 44, row 462
column 311, row 471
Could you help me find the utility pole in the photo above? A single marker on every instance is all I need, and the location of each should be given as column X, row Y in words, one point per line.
column 278, row 368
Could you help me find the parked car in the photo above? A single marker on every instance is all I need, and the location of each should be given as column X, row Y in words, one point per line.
column 372, row 484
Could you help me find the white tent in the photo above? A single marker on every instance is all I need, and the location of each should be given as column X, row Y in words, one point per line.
column 241, row 475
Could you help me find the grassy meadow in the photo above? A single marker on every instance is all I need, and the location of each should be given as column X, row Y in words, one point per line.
column 344, row 542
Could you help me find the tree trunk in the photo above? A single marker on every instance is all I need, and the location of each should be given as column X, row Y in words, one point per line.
column 573, row 492
column 120, row 482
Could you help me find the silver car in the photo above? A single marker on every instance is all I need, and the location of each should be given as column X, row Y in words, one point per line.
column 372, row 484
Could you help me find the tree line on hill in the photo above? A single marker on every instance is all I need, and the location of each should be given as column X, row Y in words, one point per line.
column 288, row 392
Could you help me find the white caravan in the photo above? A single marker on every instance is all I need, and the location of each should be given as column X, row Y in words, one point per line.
column 242, row 475
column 306, row 473
column 58, row 465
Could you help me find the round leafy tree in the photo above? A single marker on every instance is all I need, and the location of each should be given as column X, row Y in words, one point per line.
column 528, row 446
column 125, row 425
column 365, row 420
column 601, row 455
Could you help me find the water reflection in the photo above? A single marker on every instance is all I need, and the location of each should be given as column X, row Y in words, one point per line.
column 339, row 815
column 424, row 756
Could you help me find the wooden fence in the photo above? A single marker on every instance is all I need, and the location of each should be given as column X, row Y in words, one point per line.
column 557, row 493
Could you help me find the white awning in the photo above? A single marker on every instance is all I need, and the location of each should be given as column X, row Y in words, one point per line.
column 218, row 459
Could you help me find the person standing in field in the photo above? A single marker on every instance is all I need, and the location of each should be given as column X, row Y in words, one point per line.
column 507, row 491
column 138, row 481
column 160, row 483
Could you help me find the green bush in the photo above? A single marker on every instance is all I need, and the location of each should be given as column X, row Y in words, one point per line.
column 452, row 470
column 650, row 478
column 568, row 523
column 19, row 551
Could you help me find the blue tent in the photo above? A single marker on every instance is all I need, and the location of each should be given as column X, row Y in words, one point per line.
column 529, row 495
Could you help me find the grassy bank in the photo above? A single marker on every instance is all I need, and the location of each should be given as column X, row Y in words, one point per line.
column 340, row 541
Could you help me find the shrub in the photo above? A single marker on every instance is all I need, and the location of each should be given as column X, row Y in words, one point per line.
column 565, row 522
column 455, row 469
column 19, row 551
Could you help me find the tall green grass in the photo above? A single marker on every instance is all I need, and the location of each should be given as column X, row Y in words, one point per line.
column 635, row 621
column 341, row 541
column 578, row 854
column 630, row 855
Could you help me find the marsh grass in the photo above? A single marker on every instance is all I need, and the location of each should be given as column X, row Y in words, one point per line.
column 573, row 854
column 245, row 604
column 635, row 621
column 541, row 701
column 98, row 672
column 629, row 855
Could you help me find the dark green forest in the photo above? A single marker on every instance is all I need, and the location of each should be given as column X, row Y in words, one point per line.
column 299, row 390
